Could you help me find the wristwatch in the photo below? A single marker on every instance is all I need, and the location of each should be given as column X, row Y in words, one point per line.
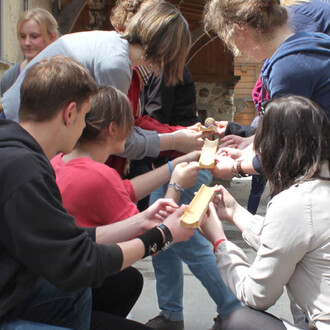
column 168, row 236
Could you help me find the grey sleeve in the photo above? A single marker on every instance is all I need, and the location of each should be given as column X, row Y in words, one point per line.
column 11, row 99
column 8, row 78
column 141, row 143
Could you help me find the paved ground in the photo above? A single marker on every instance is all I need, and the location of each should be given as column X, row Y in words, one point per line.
column 199, row 308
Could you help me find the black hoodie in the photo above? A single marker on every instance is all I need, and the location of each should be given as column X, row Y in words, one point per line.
column 38, row 238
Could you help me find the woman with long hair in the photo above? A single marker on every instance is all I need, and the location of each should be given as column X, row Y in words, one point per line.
column 292, row 241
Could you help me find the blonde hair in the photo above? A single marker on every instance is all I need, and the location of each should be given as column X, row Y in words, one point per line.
column 47, row 22
column 289, row 3
column 164, row 34
column 263, row 15
column 124, row 10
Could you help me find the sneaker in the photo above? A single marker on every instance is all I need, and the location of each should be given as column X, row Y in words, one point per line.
column 160, row 322
column 217, row 323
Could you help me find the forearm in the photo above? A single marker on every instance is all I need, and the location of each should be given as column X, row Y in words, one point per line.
column 132, row 251
column 167, row 142
column 141, row 143
column 242, row 218
column 146, row 183
column 173, row 194
column 119, row 231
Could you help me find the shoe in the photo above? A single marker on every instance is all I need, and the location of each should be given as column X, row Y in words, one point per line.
column 160, row 322
column 217, row 323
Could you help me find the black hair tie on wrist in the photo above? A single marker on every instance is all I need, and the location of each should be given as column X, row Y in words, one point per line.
column 152, row 240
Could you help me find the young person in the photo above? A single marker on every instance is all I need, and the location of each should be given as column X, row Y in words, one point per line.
column 93, row 192
column 149, row 40
column 36, row 29
column 292, row 241
column 260, row 31
column 47, row 262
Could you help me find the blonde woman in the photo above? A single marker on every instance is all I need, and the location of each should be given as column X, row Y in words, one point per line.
column 36, row 29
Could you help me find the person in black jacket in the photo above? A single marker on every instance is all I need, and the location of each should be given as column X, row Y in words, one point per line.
column 47, row 263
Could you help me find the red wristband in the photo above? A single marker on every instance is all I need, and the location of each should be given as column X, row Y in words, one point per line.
column 217, row 243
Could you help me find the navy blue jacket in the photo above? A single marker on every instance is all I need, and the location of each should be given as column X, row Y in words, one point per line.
column 301, row 66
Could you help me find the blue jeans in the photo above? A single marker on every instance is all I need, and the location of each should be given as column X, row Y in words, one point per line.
column 196, row 253
column 49, row 308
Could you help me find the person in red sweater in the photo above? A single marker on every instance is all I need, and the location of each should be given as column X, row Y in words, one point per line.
column 94, row 193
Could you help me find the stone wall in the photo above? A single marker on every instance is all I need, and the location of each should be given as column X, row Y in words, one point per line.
column 217, row 99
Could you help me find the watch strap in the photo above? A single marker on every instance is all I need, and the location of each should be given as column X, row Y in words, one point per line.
column 240, row 170
column 168, row 236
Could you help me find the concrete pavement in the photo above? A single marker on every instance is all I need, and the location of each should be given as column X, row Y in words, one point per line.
column 199, row 308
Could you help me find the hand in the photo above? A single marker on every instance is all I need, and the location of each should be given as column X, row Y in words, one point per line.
column 178, row 232
column 158, row 212
column 229, row 152
column 187, row 140
column 221, row 127
column 236, row 141
column 185, row 174
column 222, row 169
column 195, row 127
column 225, row 204
column 211, row 226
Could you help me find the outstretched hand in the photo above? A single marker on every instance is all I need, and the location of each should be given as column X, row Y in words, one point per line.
column 221, row 127
column 211, row 226
column 236, row 141
column 158, row 212
column 229, row 152
column 185, row 174
column 225, row 204
column 222, row 169
column 187, row 140
column 178, row 232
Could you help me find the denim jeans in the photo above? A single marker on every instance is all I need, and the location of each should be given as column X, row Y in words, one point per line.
column 49, row 308
column 196, row 253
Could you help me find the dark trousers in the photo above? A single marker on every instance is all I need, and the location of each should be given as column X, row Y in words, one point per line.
column 246, row 318
column 258, row 185
column 114, row 299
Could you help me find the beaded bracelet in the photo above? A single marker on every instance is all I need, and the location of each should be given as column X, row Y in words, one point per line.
column 176, row 187
column 240, row 170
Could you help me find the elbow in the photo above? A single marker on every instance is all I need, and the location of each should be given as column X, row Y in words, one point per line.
column 258, row 302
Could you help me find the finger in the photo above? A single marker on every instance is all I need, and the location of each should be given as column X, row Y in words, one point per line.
column 168, row 202
column 212, row 209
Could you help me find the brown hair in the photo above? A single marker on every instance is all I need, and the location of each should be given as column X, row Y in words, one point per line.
column 164, row 34
column 108, row 105
column 124, row 10
column 51, row 84
column 47, row 22
column 263, row 15
column 292, row 139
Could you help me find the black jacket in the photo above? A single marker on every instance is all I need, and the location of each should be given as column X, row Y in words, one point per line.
column 38, row 238
column 173, row 105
